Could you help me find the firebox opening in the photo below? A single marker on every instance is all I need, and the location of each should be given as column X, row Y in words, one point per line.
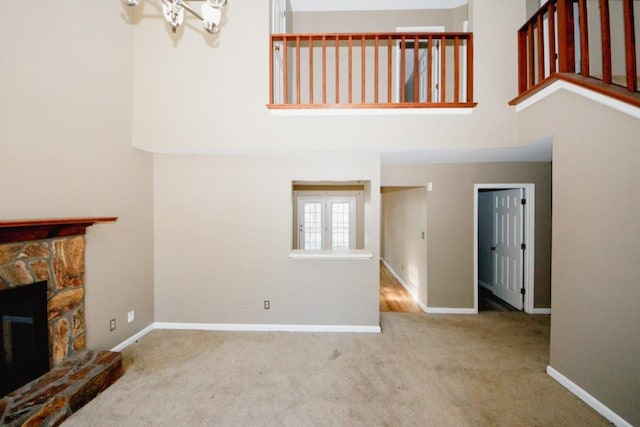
column 24, row 343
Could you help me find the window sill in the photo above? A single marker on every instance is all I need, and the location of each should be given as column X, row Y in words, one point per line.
column 329, row 254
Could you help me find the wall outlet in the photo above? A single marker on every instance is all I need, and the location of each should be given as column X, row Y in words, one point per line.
column 131, row 316
column 112, row 325
column 267, row 304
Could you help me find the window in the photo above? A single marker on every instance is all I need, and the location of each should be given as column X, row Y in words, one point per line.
column 326, row 222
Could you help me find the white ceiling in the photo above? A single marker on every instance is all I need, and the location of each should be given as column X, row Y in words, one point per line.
column 537, row 151
column 342, row 5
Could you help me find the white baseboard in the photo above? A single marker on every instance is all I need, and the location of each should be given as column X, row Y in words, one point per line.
column 540, row 311
column 405, row 286
column 449, row 310
column 252, row 327
column 126, row 343
column 598, row 406
column 245, row 327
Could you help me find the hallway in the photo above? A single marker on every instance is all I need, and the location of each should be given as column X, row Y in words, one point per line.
column 393, row 296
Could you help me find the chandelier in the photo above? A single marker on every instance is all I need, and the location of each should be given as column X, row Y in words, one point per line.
column 210, row 12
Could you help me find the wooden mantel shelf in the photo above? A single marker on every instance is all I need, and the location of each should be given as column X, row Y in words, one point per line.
column 22, row 230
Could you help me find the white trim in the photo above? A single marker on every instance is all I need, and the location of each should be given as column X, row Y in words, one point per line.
column 446, row 310
column 371, row 111
column 329, row 254
column 132, row 339
column 540, row 311
column 529, row 229
column 359, row 5
column 587, row 93
column 244, row 327
column 598, row 406
column 252, row 327
column 414, row 296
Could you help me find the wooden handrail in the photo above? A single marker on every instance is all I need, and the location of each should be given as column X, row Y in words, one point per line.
column 545, row 52
column 428, row 70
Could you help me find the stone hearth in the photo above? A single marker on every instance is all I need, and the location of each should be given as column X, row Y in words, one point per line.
column 53, row 397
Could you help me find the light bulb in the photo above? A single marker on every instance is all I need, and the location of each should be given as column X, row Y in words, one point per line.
column 211, row 18
column 132, row 2
column 174, row 14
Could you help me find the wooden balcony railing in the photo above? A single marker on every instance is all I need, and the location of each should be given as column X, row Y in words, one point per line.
column 373, row 70
column 590, row 43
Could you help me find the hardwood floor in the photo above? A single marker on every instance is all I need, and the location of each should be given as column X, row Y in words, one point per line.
column 393, row 297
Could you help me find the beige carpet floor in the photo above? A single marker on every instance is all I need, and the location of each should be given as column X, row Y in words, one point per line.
column 422, row 370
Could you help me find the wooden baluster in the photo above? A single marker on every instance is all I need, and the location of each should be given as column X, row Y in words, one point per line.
column 324, row 70
column 566, row 40
column 531, row 56
column 310, row 70
column 389, row 61
column 285, row 73
column 630, row 45
column 540, row 42
column 584, row 38
column 350, row 69
column 443, row 62
column 523, row 83
column 456, row 69
column 402, row 69
column 551, row 19
column 297, row 69
column 376, row 47
column 470, row 69
column 364, row 69
column 337, row 69
column 605, row 29
column 416, row 69
column 430, row 68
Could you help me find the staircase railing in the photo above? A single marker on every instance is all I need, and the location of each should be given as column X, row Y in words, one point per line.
column 580, row 37
column 371, row 70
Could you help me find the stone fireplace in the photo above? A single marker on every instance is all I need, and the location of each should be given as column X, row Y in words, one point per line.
column 52, row 251
column 59, row 262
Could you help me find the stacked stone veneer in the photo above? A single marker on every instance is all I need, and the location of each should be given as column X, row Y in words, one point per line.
column 59, row 261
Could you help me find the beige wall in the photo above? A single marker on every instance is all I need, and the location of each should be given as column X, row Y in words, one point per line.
column 372, row 21
column 450, row 223
column 404, row 219
column 595, row 326
column 223, row 235
column 65, row 145
column 187, row 95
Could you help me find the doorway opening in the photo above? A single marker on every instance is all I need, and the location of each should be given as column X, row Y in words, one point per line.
column 504, row 244
column 425, row 75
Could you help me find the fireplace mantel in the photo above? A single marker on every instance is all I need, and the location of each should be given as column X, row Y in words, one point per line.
column 23, row 230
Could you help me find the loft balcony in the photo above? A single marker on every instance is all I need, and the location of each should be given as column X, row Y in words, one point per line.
column 371, row 70
column 593, row 44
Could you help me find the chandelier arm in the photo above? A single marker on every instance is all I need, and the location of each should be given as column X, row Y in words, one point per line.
column 188, row 8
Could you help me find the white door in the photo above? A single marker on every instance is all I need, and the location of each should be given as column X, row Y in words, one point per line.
column 326, row 223
column 311, row 223
column 278, row 26
column 507, row 246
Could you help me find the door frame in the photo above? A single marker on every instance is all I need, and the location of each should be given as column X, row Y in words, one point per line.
column 529, row 238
